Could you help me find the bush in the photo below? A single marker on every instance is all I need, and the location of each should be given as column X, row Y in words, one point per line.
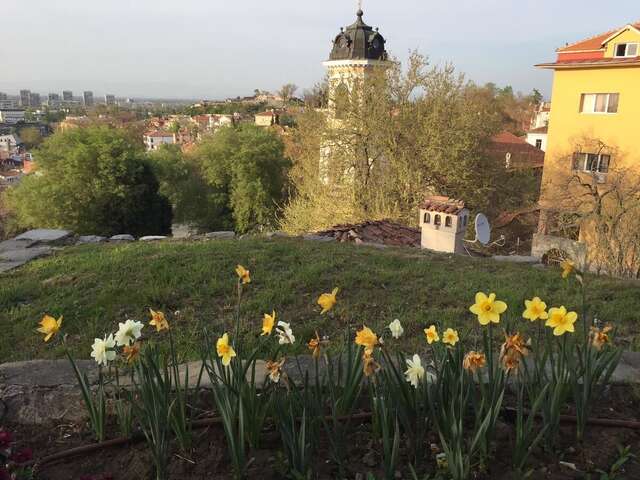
column 92, row 180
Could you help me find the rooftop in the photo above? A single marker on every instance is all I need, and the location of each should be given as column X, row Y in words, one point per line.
column 442, row 204
column 358, row 41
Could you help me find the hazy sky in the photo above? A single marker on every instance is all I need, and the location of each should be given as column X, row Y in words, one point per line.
column 220, row 48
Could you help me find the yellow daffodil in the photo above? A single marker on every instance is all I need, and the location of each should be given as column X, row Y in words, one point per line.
column 487, row 308
column 561, row 321
column 431, row 334
column 600, row 337
column 243, row 274
column 131, row 352
column 268, row 322
column 225, row 351
column 49, row 326
column 567, row 267
column 535, row 309
column 369, row 364
column 450, row 337
column 366, row 338
column 158, row 320
column 328, row 300
column 473, row 361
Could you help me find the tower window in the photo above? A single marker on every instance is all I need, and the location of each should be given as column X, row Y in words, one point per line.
column 448, row 221
column 626, row 50
column 539, row 143
column 437, row 220
column 427, row 218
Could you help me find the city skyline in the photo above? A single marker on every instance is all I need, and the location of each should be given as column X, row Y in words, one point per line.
column 199, row 50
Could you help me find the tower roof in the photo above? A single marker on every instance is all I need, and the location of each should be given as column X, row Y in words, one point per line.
column 358, row 42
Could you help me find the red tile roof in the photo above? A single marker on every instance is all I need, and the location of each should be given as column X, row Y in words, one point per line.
column 438, row 203
column 592, row 62
column 593, row 43
column 383, row 232
column 523, row 155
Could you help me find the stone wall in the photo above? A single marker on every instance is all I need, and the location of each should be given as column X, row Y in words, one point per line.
column 542, row 244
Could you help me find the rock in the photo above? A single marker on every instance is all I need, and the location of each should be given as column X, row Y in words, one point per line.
column 90, row 239
column 15, row 244
column 25, row 254
column 42, row 235
column 182, row 231
column 152, row 238
column 516, row 259
column 6, row 266
column 122, row 238
column 318, row 238
column 224, row 235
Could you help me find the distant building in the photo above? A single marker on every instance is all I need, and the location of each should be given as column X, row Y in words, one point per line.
column 3, row 96
column 537, row 137
column 268, row 119
column 541, row 116
column 36, row 102
column 515, row 153
column 67, row 96
column 88, row 99
column 7, row 104
column 25, row 98
column 54, row 97
column 8, row 143
column 110, row 99
column 11, row 116
column 153, row 140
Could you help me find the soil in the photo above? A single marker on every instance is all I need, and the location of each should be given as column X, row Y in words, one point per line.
column 209, row 460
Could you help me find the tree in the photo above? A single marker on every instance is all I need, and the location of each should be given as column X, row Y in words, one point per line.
column 92, row 180
column 400, row 136
column 317, row 96
column 246, row 170
column 30, row 136
column 287, row 92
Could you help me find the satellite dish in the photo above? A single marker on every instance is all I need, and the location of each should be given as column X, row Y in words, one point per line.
column 483, row 230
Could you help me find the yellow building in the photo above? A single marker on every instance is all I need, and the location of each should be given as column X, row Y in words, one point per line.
column 593, row 127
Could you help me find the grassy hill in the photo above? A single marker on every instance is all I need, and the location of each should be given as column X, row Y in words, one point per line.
column 95, row 287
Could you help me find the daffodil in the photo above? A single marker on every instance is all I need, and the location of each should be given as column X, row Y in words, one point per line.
column 268, row 322
column 285, row 334
column 243, row 274
column 314, row 345
column 366, row 338
column 369, row 364
column 275, row 370
column 431, row 334
column 225, row 351
column 600, row 337
column 474, row 361
column 102, row 350
column 328, row 300
column 158, row 320
column 567, row 267
column 450, row 337
column 49, row 326
column 487, row 308
column 396, row 329
column 128, row 332
column 535, row 309
column 561, row 321
column 415, row 371
column 512, row 351
column 131, row 352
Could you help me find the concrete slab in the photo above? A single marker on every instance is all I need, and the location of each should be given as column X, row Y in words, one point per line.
column 90, row 239
column 15, row 244
column 7, row 266
column 224, row 235
column 122, row 238
column 152, row 238
column 25, row 254
column 43, row 235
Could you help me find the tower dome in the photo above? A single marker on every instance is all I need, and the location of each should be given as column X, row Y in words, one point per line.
column 358, row 42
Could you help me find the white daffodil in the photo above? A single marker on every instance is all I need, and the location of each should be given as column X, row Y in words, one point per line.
column 396, row 328
column 102, row 350
column 128, row 332
column 285, row 334
column 415, row 372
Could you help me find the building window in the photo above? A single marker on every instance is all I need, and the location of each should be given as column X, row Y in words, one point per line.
column 427, row 218
column 627, row 50
column 437, row 220
column 591, row 162
column 539, row 143
column 599, row 102
column 448, row 221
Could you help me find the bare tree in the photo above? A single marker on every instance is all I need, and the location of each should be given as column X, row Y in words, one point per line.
column 287, row 92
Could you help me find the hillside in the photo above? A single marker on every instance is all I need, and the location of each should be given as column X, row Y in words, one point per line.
column 94, row 287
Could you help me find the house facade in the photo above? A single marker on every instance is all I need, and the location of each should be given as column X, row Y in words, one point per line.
column 592, row 134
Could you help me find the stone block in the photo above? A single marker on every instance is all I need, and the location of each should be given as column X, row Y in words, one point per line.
column 224, row 235
column 90, row 239
column 42, row 235
column 25, row 254
column 122, row 238
column 152, row 238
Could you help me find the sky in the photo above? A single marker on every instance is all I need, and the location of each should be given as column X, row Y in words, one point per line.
column 213, row 49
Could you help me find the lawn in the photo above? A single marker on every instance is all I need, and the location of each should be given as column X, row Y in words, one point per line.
column 95, row 287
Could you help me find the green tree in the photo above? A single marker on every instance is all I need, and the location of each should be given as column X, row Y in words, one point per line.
column 30, row 136
column 93, row 180
column 246, row 169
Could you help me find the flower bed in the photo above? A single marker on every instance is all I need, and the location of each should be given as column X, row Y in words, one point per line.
column 493, row 403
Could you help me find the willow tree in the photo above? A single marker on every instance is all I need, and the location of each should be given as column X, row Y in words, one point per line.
column 393, row 138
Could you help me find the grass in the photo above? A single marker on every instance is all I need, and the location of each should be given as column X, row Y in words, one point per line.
column 95, row 287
